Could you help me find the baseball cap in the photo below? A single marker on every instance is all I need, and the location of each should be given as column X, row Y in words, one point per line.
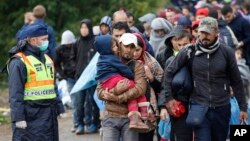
column 208, row 24
column 195, row 24
column 202, row 11
column 128, row 38
column 35, row 30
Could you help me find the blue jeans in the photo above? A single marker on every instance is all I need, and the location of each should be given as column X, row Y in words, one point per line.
column 78, row 100
column 115, row 129
column 180, row 131
column 215, row 125
column 70, row 83
column 91, row 110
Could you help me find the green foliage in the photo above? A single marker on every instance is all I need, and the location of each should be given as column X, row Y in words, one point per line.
column 64, row 14
column 4, row 119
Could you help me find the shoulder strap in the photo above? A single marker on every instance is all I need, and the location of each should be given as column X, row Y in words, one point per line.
column 23, row 56
column 191, row 55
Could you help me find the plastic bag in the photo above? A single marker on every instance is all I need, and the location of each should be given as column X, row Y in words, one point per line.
column 248, row 111
column 100, row 104
column 235, row 112
column 164, row 128
column 87, row 78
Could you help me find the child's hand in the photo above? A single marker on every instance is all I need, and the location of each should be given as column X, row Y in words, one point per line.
column 121, row 86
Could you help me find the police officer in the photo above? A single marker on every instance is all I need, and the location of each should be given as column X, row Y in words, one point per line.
column 34, row 102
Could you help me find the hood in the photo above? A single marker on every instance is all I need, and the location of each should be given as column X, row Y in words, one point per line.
column 19, row 47
column 148, row 18
column 106, row 20
column 175, row 31
column 156, row 41
column 160, row 23
column 67, row 37
column 89, row 25
column 103, row 44
column 222, row 23
column 184, row 21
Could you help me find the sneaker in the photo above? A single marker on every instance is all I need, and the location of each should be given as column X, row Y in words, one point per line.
column 91, row 129
column 79, row 130
column 73, row 129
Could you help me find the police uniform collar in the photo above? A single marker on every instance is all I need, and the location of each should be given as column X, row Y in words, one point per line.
column 33, row 50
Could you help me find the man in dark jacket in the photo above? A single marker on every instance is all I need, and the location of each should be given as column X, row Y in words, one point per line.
column 33, row 99
column 179, row 129
column 241, row 29
column 226, row 33
column 214, row 70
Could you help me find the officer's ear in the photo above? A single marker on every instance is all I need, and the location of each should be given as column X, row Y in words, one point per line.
column 31, row 40
column 28, row 39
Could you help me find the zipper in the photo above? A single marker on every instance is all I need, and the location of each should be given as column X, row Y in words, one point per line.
column 208, row 79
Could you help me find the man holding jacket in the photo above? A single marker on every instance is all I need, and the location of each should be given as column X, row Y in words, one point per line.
column 213, row 70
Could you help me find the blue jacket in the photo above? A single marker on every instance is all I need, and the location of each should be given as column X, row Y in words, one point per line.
column 241, row 29
column 109, row 64
column 182, row 83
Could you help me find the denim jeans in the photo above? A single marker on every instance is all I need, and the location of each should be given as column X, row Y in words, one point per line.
column 70, row 84
column 91, row 109
column 115, row 129
column 180, row 131
column 215, row 125
column 78, row 100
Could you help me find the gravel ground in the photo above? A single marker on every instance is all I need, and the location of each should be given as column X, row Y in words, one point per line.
column 64, row 131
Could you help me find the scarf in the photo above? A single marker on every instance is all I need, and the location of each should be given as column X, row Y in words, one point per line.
column 209, row 49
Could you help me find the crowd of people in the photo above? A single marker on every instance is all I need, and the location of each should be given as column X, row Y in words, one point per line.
column 185, row 62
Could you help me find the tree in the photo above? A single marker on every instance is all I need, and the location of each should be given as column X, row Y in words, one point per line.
column 62, row 15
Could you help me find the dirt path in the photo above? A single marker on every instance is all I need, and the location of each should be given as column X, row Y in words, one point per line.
column 64, row 131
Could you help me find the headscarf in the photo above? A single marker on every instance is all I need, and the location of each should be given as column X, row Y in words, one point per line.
column 140, row 39
column 158, row 42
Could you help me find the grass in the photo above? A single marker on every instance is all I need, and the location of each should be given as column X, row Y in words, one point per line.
column 4, row 119
column 4, row 105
